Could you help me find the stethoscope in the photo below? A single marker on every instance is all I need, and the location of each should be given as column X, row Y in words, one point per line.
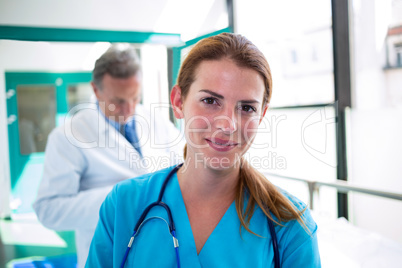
column 141, row 221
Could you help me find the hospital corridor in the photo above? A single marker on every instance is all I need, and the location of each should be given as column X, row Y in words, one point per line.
column 115, row 115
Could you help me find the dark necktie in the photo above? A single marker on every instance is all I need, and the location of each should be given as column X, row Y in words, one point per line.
column 128, row 131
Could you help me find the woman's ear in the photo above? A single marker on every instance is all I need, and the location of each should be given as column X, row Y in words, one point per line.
column 177, row 102
column 263, row 112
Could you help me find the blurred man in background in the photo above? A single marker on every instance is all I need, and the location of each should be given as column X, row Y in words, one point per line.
column 99, row 146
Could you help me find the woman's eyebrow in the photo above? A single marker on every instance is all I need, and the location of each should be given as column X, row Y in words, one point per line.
column 219, row 96
column 249, row 101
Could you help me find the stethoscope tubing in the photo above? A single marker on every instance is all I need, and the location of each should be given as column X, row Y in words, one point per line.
column 171, row 225
column 172, row 229
column 274, row 243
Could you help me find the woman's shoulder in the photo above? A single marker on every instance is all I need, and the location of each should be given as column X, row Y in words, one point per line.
column 302, row 207
column 134, row 193
column 299, row 239
column 152, row 180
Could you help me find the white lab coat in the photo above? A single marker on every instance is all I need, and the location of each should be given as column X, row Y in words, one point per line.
column 86, row 156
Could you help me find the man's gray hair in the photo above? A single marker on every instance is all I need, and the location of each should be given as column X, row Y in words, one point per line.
column 119, row 61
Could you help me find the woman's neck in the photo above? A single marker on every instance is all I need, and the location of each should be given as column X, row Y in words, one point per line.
column 204, row 184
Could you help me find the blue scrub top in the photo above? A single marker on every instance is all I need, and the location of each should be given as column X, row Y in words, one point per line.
column 225, row 247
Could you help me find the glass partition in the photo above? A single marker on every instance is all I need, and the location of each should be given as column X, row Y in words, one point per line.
column 36, row 116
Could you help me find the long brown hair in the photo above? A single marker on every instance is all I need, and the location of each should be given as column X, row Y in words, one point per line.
column 252, row 185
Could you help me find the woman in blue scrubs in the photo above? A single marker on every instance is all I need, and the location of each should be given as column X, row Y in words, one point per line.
column 220, row 205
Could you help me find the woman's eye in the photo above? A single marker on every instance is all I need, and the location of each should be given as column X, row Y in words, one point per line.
column 209, row 100
column 248, row 108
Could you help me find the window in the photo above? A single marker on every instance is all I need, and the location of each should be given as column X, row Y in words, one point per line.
column 295, row 140
column 374, row 128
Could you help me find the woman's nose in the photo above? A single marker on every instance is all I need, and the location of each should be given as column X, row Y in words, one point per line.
column 226, row 122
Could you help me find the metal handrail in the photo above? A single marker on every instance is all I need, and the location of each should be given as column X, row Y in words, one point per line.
column 341, row 186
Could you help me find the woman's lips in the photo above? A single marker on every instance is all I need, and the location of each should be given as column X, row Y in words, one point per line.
column 221, row 145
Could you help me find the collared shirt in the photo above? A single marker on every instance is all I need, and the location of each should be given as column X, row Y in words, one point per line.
column 127, row 130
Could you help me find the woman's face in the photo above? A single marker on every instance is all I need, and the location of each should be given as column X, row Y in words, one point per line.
column 222, row 112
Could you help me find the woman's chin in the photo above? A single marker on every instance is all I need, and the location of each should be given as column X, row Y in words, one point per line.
column 220, row 163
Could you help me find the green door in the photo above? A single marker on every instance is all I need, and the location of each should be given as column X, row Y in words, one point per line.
column 36, row 104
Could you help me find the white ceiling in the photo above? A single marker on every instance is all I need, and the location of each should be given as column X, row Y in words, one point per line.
column 187, row 17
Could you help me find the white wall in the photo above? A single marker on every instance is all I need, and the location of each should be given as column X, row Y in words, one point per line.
column 4, row 159
column 394, row 87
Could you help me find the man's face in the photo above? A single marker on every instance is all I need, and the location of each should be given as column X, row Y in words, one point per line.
column 118, row 97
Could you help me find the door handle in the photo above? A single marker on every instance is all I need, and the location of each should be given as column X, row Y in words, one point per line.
column 10, row 93
column 11, row 119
